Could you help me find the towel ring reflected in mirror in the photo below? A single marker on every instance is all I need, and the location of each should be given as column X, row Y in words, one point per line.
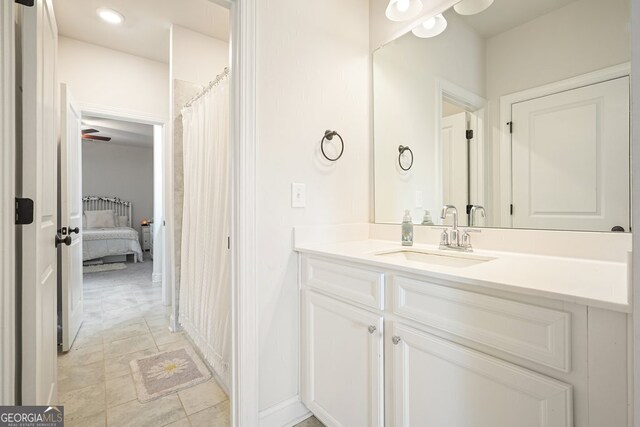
column 328, row 136
column 401, row 150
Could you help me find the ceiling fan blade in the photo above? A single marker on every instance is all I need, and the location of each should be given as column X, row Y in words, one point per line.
column 86, row 131
column 96, row 138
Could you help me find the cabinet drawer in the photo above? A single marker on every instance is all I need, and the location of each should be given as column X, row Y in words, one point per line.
column 352, row 283
column 534, row 333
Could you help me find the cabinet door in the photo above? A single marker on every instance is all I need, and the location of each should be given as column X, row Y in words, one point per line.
column 439, row 383
column 342, row 362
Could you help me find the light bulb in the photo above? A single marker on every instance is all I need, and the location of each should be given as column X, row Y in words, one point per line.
column 430, row 23
column 403, row 5
column 110, row 16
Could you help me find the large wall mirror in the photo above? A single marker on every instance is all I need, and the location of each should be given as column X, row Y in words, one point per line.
column 517, row 115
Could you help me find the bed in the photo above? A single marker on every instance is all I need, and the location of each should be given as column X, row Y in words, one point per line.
column 110, row 241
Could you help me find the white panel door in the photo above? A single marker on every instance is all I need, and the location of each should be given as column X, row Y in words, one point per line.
column 571, row 159
column 439, row 383
column 342, row 362
column 455, row 165
column 70, row 216
column 39, row 182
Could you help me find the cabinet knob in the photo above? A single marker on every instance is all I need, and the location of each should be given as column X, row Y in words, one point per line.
column 395, row 340
column 372, row 329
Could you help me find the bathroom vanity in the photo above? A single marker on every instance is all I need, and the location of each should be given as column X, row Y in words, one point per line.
column 418, row 336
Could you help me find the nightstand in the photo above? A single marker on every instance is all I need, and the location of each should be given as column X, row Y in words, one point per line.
column 146, row 238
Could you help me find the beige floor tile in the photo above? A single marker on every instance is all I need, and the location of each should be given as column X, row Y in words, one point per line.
column 164, row 336
column 119, row 366
column 160, row 412
column 310, row 422
column 201, row 396
column 83, row 402
column 174, row 345
column 125, row 331
column 97, row 420
column 128, row 345
column 120, row 390
column 181, row 423
column 216, row 416
column 81, row 356
column 80, row 376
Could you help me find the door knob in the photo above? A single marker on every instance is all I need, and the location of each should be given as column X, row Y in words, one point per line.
column 74, row 230
column 66, row 240
column 395, row 340
column 372, row 329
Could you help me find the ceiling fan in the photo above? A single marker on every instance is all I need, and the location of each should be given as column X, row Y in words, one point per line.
column 88, row 135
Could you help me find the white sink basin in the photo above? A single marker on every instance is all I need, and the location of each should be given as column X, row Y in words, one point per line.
column 448, row 259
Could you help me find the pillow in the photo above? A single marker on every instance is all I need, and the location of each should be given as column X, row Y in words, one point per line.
column 122, row 221
column 100, row 219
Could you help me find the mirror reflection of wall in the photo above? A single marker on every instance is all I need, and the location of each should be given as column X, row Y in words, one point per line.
column 543, row 89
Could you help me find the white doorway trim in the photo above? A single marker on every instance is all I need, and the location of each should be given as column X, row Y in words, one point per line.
column 617, row 71
column 471, row 102
column 160, row 256
column 244, row 375
column 7, row 208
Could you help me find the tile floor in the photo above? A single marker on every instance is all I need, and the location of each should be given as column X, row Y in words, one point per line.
column 124, row 320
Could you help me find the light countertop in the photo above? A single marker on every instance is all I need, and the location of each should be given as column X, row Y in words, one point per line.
column 603, row 284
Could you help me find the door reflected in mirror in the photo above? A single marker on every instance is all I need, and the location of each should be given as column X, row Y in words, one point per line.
column 517, row 115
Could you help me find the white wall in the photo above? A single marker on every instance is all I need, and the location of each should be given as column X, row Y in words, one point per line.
column 109, row 78
column 584, row 36
column 405, row 76
column 120, row 171
column 312, row 75
column 195, row 57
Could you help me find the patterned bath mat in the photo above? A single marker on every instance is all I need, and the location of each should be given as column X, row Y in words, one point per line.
column 98, row 268
column 167, row 372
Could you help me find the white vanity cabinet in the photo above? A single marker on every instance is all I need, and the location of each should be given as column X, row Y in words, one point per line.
column 383, row 347
column 343, row 362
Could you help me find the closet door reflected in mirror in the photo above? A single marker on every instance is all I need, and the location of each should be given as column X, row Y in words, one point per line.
column 517, row 115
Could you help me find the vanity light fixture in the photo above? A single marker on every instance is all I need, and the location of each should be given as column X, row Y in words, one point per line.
column 110, row 16
column 472, row 7
column 403, row 10
column 430, row 27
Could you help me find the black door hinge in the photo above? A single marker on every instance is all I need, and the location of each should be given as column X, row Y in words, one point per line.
column 510, row 124
column 470, row 134
column 24, row 211
column 26, row 2
column 511, row 209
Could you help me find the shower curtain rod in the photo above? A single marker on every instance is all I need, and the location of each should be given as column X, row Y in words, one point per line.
column 211, row 85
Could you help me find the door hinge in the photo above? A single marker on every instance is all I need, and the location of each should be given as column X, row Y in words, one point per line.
column 470, row 134
column 24, row 211
column 510, row 209
column 510, row 124
column 26, row 2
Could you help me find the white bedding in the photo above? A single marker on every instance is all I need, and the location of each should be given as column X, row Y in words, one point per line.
column 102, row 242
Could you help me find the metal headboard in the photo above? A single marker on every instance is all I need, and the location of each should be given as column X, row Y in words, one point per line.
column 120, row 207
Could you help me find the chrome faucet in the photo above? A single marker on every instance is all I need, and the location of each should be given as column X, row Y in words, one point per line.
column 451, row 239
column 472, row 214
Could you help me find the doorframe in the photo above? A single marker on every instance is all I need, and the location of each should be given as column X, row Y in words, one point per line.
column 506, row 103
column 7, row 219
column 472, row 103
column 96, row 110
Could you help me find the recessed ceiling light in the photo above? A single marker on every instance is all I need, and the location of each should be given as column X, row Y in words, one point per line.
column 110, row 16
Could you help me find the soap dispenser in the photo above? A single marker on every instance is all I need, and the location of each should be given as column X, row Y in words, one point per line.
column 426, row 220
column 407, row 229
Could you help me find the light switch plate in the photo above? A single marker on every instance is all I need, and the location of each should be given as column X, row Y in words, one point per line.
column 298, row 195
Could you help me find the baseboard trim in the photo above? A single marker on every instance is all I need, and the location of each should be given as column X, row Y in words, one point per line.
column 156, row 277
column 286, row 414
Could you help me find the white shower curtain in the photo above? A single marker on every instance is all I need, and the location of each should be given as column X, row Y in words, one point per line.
column 205, row 288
